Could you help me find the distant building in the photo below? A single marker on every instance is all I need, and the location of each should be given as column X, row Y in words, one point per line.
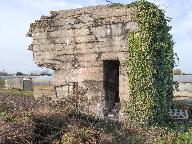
column 184, row 90
column 183, row 78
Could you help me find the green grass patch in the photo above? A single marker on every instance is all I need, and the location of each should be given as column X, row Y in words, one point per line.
column 2, row 83
column 181, row 134
column 15, row 92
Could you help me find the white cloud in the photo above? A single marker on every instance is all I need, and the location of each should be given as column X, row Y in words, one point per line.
column 186, row 26
column 93, row 2
column 16, row 15
column 48, row 5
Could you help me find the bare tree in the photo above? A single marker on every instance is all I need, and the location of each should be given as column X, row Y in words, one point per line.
column 19, row 74
column 45, row 73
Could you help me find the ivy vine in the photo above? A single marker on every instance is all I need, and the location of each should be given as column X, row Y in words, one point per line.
column 150, row 65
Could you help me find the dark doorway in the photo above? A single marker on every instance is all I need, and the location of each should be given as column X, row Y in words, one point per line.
column 111, row 84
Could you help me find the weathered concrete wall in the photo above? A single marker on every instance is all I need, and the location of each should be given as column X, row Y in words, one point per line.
column 184, row 90
column 185, row 87
column 44, row 91
column 75, row 43
column 16, row 83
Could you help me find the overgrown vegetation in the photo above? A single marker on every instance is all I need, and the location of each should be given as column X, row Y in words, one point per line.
column 150, row 65
column 26, row 120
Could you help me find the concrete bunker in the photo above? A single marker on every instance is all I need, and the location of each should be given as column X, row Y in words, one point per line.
column 87, row 49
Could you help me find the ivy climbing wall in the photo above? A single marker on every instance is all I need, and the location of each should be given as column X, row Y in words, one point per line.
column 150, row 65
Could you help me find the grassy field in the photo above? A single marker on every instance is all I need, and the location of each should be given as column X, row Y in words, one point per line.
column 13, row 92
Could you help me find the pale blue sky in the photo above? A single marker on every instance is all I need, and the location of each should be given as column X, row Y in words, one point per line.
column 16, row 16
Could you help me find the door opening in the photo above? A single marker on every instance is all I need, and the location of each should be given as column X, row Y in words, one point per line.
column 111, row 84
